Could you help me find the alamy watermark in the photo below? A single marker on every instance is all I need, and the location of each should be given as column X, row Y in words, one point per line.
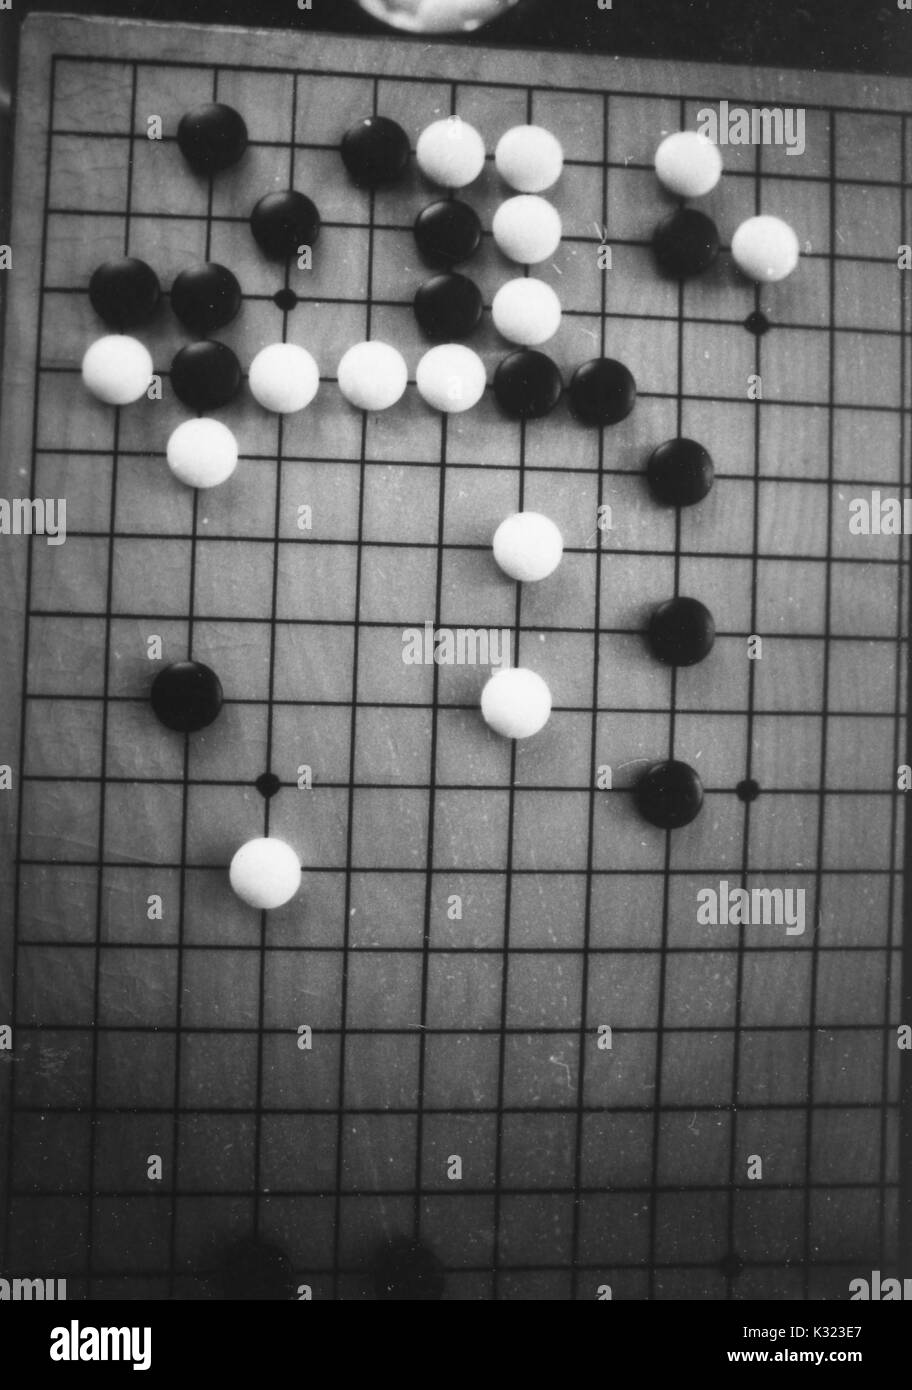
column 763, row 125
column 460, row 646
column 755, row 907
column 41, row 516
column 32, row 1290
column 878, row 515
column 878, row 1290
column 77, row 1343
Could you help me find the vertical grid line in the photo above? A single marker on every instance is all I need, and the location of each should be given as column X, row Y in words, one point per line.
column 890, row 1041
column 732, row 1261
column 824, row 734
column 270, row 715
column 508, row 910
column 905, row 1063
column 185, row 818
column 429, row 881
column 432, row 805
column 26, row 646
column 508, row 872
column 593, row 755
column 103, row 770
column 666, row 873
column 356, row 647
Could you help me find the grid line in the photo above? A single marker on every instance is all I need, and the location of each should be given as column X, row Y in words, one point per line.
column 593, row 744
column 666, row 884
column 102, row 800
column 901, row 617
column 349, row 848
column 23, row 719
column 827, row 108
column 511, row 951
column 432, row 805
column 173, row 1273
column 570, row 161
column 824, row 738
column 508, row 869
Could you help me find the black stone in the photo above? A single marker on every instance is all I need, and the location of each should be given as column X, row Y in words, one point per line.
column 602, row 392
column 283, row 222
column 286, row 300
column 681, row 632
column 375, row 151
column 448, row 308
column 527, row 384
column 206, row 375
column 406, row 1270
column 212, row 138
column 731, row 1265
column 748, row 790
column 186, row 696
column 686, row 244
column 669, row 795
column 206, row 297
column 255, row 1271
column 125, row 292
column 757, row 323
column 268, row 785
column 680, row 473
column 447, row 233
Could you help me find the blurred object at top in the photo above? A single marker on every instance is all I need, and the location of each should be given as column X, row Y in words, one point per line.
column 437, row 16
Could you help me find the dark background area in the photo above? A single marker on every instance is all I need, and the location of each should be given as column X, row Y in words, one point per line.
column 870, row 35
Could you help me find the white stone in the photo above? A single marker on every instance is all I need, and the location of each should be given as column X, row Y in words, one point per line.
column 265, row 873
column 765, row 249
column 284, row 377
column 527, row 229
column 202, row 453
column 516, row 703
column 451, row 378
column 529, row 158
column 526, row 311
column 688, row 164
column 528, row 546
column 117, row 369
column 373, row 376
column 450, row 153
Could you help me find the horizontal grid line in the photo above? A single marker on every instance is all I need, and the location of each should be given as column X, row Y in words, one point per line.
column 329, row 1270
column 474, row 547
column 289, row 1031
column 543, row 789
column 404, row 870
column 849, row 1263
column 445, row 949
column 776, row 479
column 792, row 325
column 566, row 312
column 703, row 709
column 568, row 238
column 419, row 79
column 703, row 1108
column 570, row 161
column 466, row 1190
column 418, row 621
column 703, row 398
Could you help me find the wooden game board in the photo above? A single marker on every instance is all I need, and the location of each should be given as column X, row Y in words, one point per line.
column 433, row 1037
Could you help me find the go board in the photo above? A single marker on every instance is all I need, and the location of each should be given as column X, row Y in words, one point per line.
column 526, row 1055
